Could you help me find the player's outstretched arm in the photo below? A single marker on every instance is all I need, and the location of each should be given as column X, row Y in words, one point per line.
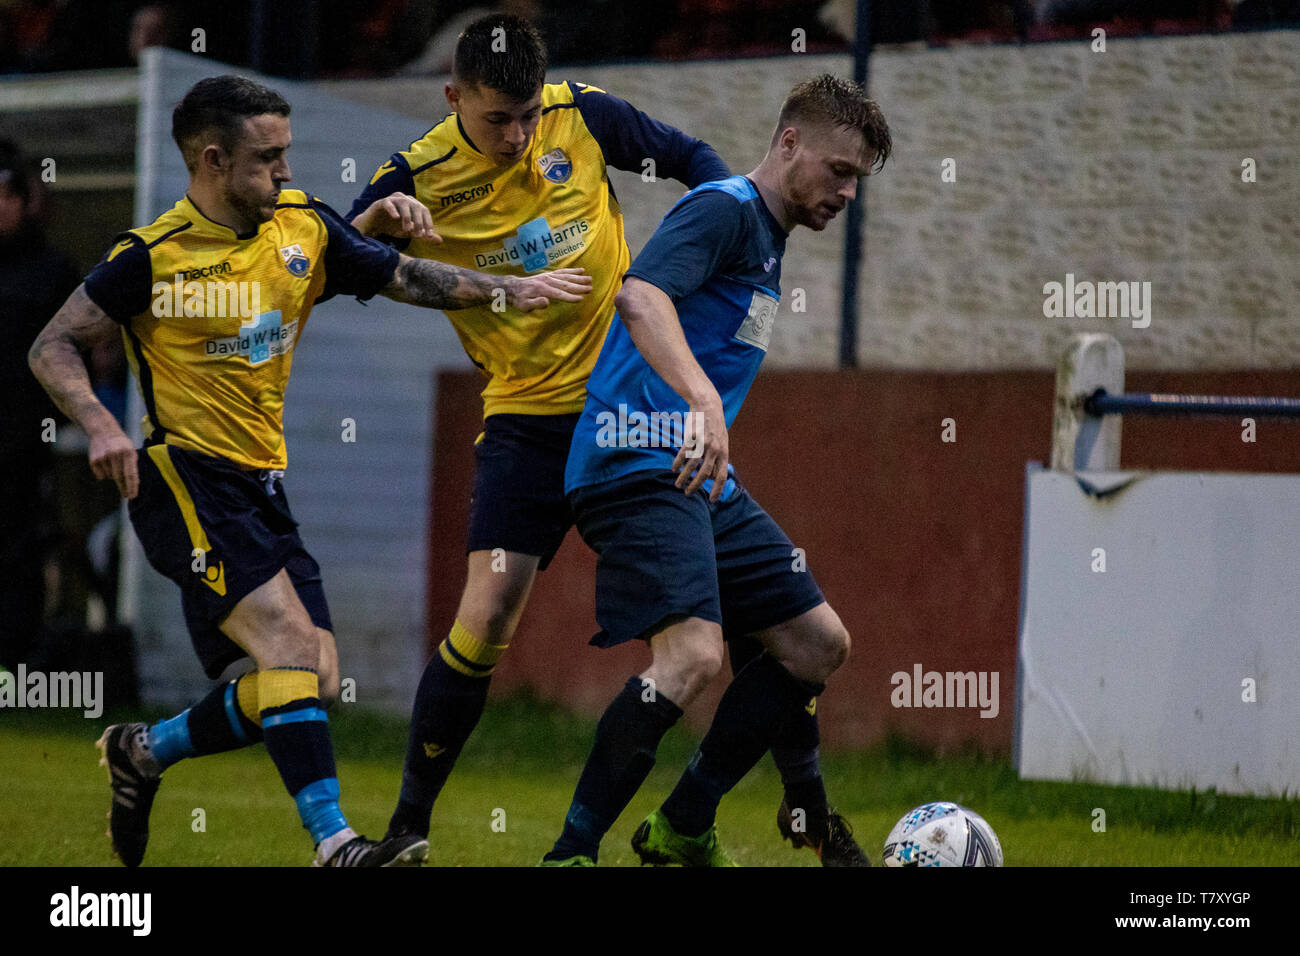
column 56, row 361
column 437, row 285
column 651, row 320
column 397, row 214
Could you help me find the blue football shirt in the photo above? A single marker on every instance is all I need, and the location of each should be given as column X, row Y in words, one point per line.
column 717, row 255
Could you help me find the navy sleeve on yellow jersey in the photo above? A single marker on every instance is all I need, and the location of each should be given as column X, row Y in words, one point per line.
column 628, row 137
column 122, row 283
column 394, row 176
column 354, row 264
column 697, row 237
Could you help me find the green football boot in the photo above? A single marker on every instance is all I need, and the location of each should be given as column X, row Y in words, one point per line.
column 568, row 861
column 658, row 844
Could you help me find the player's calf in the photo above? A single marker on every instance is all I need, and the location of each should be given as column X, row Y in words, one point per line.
column 271, row 624
column 762, row 697
column 453, row 689
column 687, row 655
column 812, row 647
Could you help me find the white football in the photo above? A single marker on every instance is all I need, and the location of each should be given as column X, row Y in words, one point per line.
column 942, row 834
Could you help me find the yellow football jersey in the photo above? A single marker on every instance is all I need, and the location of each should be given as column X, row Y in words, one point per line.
column 210, row 319
column 552, row 208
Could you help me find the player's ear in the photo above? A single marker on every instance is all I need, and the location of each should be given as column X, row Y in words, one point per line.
column 788, row 141
column 452, row 92
column 213, row 158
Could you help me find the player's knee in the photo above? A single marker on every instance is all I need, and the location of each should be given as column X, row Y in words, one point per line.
column 836, row 647
column 707, row 660
column 697, row 662
column 492, row 617
column 830, row 650
column 289, row 640
column 839, row 647
column 328, row 680
column 822, row 653
column 301, row 637
column 829, row 644
column 499, row 623
column 494, row 598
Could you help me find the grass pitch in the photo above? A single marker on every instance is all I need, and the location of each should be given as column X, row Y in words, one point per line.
column 505, row 803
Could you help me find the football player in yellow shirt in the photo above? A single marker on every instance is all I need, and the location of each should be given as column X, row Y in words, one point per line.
column 210, row 301
column 513, row 181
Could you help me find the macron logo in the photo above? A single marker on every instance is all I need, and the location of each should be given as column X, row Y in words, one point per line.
column 767, row 266
column 133, row 910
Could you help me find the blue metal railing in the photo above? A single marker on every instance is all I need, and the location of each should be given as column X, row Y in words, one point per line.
column 1147, row 403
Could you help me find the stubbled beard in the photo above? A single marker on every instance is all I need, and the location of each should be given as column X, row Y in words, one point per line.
column 252, row 211
column 809, row 219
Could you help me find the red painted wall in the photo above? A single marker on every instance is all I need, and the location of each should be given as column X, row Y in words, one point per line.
column 915, row 542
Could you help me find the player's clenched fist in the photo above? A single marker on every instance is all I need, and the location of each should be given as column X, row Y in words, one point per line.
column 112, row 455
column 397, row 214
column 526, row 293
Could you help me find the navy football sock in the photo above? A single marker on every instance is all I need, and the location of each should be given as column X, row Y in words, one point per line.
column 217, row 723
column 297, row 737
column 795, row 753
column 621, row 757
column 742, row 650
column 761, row 698
column 448, row 705
column 802, row 777
column 795, row 748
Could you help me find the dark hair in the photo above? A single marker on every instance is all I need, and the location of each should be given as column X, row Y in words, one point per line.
column 503, row 52
column 842, row 103
column 219, row 105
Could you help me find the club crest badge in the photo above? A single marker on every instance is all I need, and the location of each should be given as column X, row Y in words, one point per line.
column 756, row 330
column 555, row 166
column 295, row 260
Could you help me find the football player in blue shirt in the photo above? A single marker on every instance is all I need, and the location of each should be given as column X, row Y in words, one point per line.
column 687, row 559
column 515, row 180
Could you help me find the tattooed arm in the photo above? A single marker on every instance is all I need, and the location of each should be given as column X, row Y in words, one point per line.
column 437, row 285
column 56, row 361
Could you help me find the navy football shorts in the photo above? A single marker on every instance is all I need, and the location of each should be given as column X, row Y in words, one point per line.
column 663, row 555
column 518, row 501
column 189, row 501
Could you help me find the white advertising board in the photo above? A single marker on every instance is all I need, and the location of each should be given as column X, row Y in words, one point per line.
column 1158, row 642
